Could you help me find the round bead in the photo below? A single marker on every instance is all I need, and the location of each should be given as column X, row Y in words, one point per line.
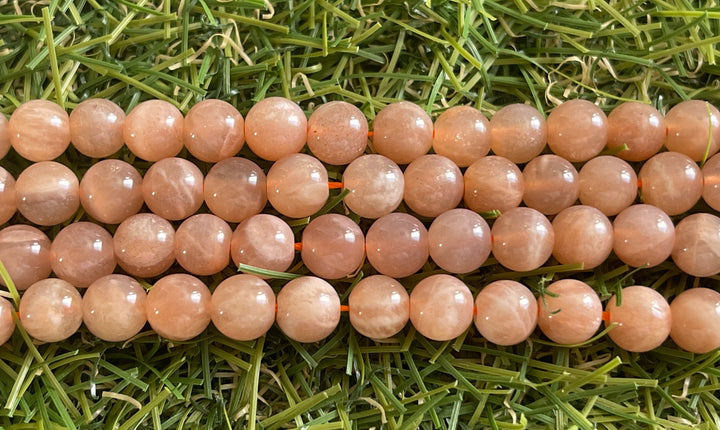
column 582, row 235
column 571, row 314
column 275, row 127
column 297, row 185
column 51, row 310
column 333, row 246
column 202, row 244
column 522, row 239
column 7, row 196
column 4, row 136
column 39, row 130
column 642, row 321
column 154, row 130
column 242, row 307
column 671, row 181
column 493, row 183
column 506, row 312
column 25, row 253
column 638, row 126
column 711, row 182
column 608, row 183
column 397, row 245
column 337, row 133
column 376, row 186
column 114, row 308
column 173, row 188
column 7, row 324
column 441, row 307
column 47, row 193
column 462, row 134
column 695, row 319
column 402, row 132
column 82, row 253
column 96, row 128
column 551, row 184
column 459, row 241
column 577, row 130
column 433, row 185
column 308, row 309
column 379, row 307
column 178, row 307
column 111, row 191
column 263, row 241
column 235, row 189
column 697, row 245
column 214, row 130
column 145, row 245
column 518, row 132
column 643, row 236
column 690, row 125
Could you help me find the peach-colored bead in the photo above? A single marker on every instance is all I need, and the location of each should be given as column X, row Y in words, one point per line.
column 333, row 246
column 202, row 244
column 235, row 189
column 51, row 310
column 711, row 182
column 697, row 245
column 518, row 132
column 25, row 253
column 153, row 130
column 608, row 183
column 379, row 307
column 402, row 132
column 577, row 130
column 643, row 320
column 690, row 125
column 695, row 319
column 82, row 253
column 7, row 196
column 47, row 193
column 462, row 134
column 39, row 130
column 297, row 185
column 376, row 186
column 572, row 312
column 551, row 184
column 263, row 241
column 114, row 308
column 643, row 236
column 173, row 188
column 459, row 240
column 433, row 185
column 7, row 323
column 506, row 312
column 522, row 239
column 145, row 245
column 441, row 307
column 243, row 307
column 111, row 191
column 275, row 127
column 178, row 307
column 671, row 181
column 308, row 309
column 4, row 136
column 640, row 127
column 337, row 133
column 582, row 235
column 96, row 127
column 493, row 183
column 397, row 245
column 214, row 130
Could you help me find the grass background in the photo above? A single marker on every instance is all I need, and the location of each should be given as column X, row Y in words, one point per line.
column 438, row 54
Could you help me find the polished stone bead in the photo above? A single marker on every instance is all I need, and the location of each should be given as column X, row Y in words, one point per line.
column 433, row 185
column 39, row 130
column 522, row 239
column 459, row 241
column 7, row 196
column 96, row 128
column 577, row 130
column 337, row 133
column 297, row 185
column 379, row 307
column 518, row 132
column 506, row 312
column 376, row 186
column 25, row 253
column 235, row 189
column 333, row 246
column 242, row 307
column 111, row 191
column 571, row 314
column 608, row 183
column 214, row 130
column 638, row 126
column 81, row 253
column 47, row 193
column 397, row 245
column 582, row 235
column 690, row 126
column 154, row 130
column 275, row 127
column 4, row 136
column 114, row 308
column 263, row 241
column 173, row 188
column 462, row 134
column 441, row 307
column 643, row 236
column 711, row 182
column 671, row 181
column 308, row 309
column 642, row 321
column 551, row 184
column 7, row 323
column 202, row 244
column 493, row 183
column 695, row 319
column 697, row 245
column 178, row 307
column 402, row 132
column 51, row 310
column 145, row 245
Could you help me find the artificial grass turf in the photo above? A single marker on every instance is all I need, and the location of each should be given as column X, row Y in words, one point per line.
column 486, row 53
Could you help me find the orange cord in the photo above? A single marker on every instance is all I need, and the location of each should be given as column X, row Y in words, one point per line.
column 298, row 246
column 335, row 185
column 639, row 183
column 370, row 134
column 606, row 316
column 344, row 308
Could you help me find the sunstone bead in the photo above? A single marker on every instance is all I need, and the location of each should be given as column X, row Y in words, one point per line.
column 81, row 253
column 337, row 133
column 333, row 246
column 173, row 188
column 51, row 310
column 582, row 235
column 379, row 307
column 308, row 309
column 242, row 307
column 506, row 312
column 608, row 183
column 642, row 321
column 522, row 239
column 711, row 182
column 39, row 130
column 214, row 130
column 441, row 307
column 459, row 240
column 114, row 308
column 697, row 245
column 275, row 127
column 518, row 132
column 577, row 130
column 153, row 130
column 690, row 126
column 397, row 245
column 297, row 185
column 25, row 253
column 551, row 184
column 671, row 181
column 402, row 132
column 376, row 186
column 572, row 312
column 7, row 196
column 695, row 319
column 263, row 241
column 433, row 185
column 235, row 189
column 47, row 193
column 145, row 245
column 111, row 191
column 96, row 127
column 462, row 134
column 638, row 126
column 643, row 236
column 4, row 136
column 178, row 307
column 202, row 244
column 493, row 183
column 7, row 323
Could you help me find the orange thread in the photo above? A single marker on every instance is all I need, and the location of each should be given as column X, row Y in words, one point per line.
column 344, row 308
column 298, row 246
column 639, row 183
column 474, row 310
column 335, row 185
column 606, row 316
column 370, row 134
column 275, row 307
